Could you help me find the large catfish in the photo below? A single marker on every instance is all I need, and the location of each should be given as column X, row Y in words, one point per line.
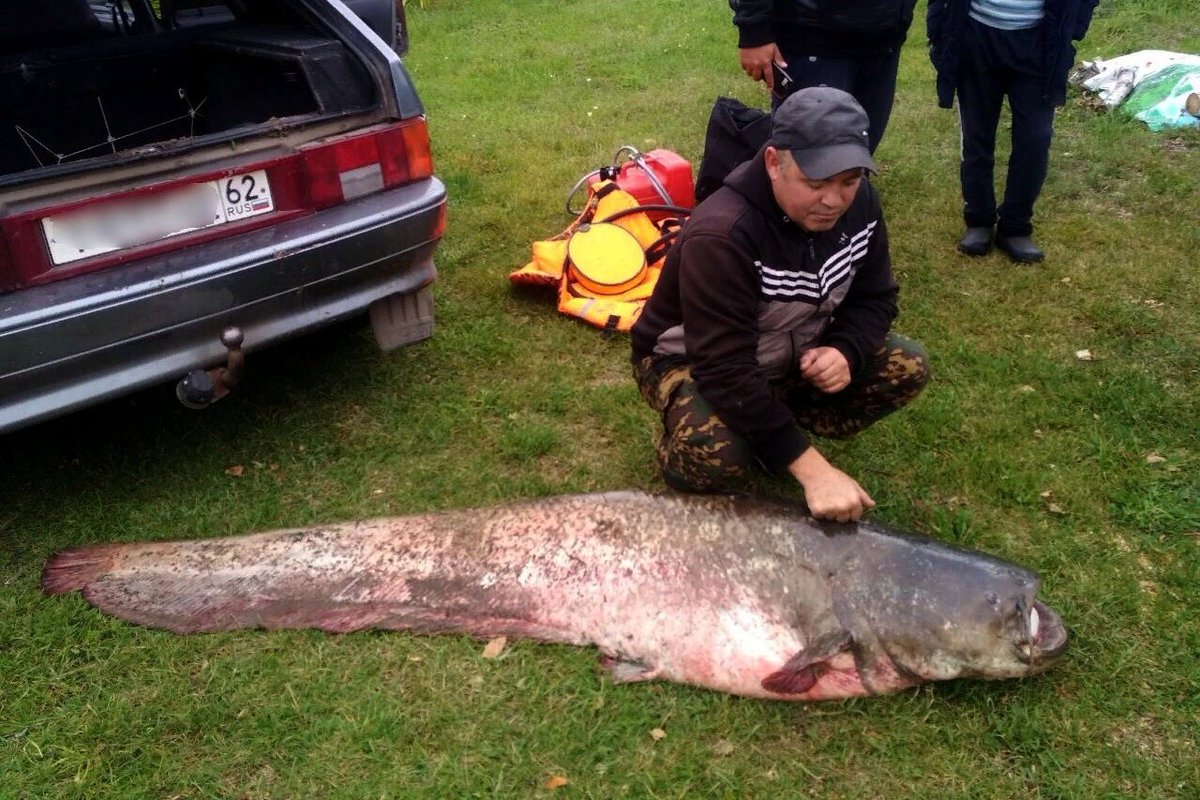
column 735, row 594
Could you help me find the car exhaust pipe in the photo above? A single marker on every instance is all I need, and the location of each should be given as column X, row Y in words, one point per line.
column 201, row 388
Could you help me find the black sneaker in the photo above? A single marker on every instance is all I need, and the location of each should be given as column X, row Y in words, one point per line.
column 1020, row 249
column 976, row 241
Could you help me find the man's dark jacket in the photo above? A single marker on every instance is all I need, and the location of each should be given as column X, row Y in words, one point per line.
column 744, row 291
column 1064, row 21
column 825, row 28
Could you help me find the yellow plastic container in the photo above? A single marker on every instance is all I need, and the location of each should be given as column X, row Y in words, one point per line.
column 605, row 258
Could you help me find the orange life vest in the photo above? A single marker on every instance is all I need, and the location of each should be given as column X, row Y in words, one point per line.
column 604, row 270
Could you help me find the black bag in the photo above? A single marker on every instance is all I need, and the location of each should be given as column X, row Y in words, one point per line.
column 735, row 133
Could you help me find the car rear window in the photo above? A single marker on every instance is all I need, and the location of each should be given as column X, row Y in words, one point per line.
column 84, row 80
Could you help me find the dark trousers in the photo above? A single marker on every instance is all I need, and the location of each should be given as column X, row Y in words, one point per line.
column 995, row 64
column 698, row 452
column 872, row 81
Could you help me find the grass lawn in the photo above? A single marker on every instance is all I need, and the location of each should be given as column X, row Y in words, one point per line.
column 1088, row 471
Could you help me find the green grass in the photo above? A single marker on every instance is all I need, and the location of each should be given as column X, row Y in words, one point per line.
column 511, row 400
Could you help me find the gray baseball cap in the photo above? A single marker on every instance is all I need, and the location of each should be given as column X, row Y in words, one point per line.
column 825, row 129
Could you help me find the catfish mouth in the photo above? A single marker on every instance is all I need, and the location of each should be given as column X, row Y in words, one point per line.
column 1047, row 637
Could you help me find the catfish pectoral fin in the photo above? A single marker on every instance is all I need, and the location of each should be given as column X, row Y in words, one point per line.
column 801, row 671
column 790, row 680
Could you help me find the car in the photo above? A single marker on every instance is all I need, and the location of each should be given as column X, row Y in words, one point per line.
column 183, row 182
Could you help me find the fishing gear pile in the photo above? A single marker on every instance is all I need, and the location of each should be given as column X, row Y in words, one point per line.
column 605, row 264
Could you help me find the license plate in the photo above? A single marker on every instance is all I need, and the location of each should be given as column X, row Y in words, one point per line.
column 126, row 223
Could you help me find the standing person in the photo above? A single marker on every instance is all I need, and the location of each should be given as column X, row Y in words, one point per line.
column 986, row 50
column 853, row 45
column 772, row 314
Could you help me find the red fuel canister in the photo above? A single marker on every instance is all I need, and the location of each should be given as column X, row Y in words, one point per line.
column 673, row 172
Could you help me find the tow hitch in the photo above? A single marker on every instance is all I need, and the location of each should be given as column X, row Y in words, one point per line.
column 202, row 387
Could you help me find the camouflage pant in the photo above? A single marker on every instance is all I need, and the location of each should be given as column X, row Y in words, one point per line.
column 698, row 452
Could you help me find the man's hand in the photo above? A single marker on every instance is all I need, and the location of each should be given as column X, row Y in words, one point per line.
column 829, row 492
column 756, row 62
column 825, row 368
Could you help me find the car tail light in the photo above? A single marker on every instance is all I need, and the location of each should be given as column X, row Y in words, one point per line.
column 318, row 176
column 354, row 166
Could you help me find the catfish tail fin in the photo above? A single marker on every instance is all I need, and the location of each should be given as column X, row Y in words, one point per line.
column 70, row 570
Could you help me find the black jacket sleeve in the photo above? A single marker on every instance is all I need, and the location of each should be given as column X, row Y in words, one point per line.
column 753, row 21
column 1083, row 20
column 719, row 297
column 861, row 323
column 935, row 23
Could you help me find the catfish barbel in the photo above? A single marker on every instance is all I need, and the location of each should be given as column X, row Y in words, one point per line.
column 735, row 594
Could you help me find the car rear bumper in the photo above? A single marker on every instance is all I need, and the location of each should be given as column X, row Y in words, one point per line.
column 74, row 342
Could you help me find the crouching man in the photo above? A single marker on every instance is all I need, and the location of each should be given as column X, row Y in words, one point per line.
column 772, row 315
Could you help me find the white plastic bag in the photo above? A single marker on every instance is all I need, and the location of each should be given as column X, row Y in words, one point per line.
column 1114, row 79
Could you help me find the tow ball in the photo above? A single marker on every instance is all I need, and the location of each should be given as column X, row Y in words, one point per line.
column 202, row 387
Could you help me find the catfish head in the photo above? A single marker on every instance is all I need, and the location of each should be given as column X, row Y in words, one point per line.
column 920, row 610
